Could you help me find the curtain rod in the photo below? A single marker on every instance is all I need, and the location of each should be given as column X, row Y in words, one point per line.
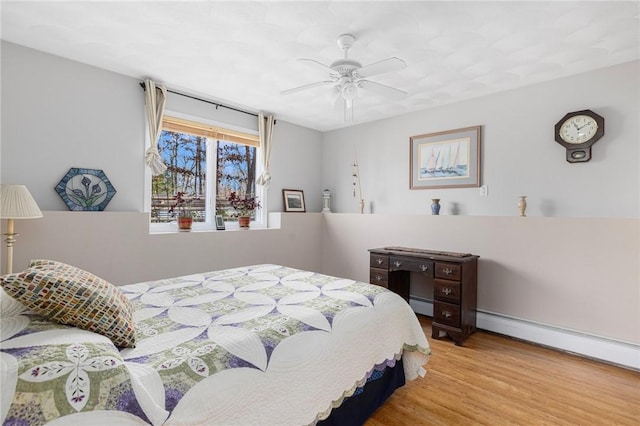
column 204, row 100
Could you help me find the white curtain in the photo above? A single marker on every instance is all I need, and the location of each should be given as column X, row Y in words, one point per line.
column 155, row 101
column 265, row 130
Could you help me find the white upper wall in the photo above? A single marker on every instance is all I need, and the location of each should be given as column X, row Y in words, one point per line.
column 519, row 153
column 58, row 114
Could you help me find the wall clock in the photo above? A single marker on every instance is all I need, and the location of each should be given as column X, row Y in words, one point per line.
column 577, row 131
column 85, row 189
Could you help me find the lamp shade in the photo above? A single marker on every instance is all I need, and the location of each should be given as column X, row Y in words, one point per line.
column 17, row 203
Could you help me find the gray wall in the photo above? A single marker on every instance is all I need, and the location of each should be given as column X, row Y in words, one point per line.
column 519, row 154
column 58, row 114
column 554, row 270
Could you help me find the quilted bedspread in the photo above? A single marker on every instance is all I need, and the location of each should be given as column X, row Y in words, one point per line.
column 258, row 345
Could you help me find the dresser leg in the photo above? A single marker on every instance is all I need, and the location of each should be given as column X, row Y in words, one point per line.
column 438, row 333
column 435, row 334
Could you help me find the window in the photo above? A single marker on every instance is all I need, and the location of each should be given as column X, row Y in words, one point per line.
column 205, row 163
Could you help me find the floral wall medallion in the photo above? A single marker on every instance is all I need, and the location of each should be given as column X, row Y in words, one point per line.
column 85, row 189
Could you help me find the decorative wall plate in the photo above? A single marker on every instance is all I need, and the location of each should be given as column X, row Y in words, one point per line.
column 85, row 189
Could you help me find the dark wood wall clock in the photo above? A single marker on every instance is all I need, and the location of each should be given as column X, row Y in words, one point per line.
column 577, row 131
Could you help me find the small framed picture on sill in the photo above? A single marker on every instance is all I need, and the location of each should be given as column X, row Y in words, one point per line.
column 219, row 223
column 293, row 200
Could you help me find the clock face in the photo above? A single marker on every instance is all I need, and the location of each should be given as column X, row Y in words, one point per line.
column 578, row 129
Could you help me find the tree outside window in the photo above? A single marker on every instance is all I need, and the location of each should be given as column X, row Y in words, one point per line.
column 188, row 172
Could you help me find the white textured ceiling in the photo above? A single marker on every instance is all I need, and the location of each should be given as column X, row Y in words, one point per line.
column 244, row 53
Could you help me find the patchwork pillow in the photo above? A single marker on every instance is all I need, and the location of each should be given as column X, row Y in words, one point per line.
column 69, row 295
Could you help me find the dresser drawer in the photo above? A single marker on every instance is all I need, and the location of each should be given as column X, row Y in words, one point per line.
column 379, row 277
column 449, row 291
column 446, row 313
column 448, row 271
column 397, row 263
column 379, row 261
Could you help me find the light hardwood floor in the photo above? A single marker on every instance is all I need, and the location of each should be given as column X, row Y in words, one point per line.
column 495, row 380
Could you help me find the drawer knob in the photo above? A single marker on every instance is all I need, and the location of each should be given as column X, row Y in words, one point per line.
column 446, row 314
column 397, row 263
column 424, row 268
column 379, row 261
column 446, row 291
column 379, row 277
column 447, row 271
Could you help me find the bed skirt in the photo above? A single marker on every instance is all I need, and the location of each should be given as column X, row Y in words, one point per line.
column 356, row 409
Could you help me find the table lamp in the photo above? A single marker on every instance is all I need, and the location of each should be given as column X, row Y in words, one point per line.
column 16, row 203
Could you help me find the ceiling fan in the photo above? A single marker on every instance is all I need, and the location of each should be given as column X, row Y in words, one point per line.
column 347, row 76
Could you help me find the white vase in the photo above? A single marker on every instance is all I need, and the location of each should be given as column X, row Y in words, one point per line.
column 522, row 205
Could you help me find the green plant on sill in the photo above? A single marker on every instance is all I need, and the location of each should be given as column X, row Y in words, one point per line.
column 182, row 205
column 244, row 206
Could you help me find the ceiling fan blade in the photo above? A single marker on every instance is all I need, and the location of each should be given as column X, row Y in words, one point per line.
column 316, row 64
column 381, row 89
column 385, row 65
column 306, row 86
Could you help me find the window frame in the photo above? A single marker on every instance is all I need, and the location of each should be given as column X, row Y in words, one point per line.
column 211, row 158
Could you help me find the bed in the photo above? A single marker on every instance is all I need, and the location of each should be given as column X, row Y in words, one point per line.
column 256, row 345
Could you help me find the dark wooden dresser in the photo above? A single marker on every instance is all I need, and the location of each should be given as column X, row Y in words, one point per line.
column 454, row 275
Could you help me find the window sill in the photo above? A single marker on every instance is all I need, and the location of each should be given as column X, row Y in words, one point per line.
column 172, row 228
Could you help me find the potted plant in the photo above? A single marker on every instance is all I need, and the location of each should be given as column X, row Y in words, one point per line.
column 182, row 205
column 244, row 207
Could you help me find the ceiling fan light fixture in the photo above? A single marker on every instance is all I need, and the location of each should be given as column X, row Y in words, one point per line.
column 346, row 77
column 349, row 91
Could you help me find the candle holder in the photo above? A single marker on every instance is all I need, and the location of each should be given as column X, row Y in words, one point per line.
column 326, row 201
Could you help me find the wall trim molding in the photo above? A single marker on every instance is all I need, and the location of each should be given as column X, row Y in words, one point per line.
column 608, row 350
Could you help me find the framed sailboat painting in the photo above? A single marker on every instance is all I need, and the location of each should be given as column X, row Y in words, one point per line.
column 449, row 159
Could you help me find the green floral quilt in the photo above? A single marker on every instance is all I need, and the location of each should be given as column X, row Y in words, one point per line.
column 263, row 344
